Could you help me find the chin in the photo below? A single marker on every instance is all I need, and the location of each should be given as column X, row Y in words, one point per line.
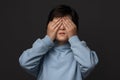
column 62, row 39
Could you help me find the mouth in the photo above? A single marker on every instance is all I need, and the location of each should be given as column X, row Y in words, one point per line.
column 62, row 33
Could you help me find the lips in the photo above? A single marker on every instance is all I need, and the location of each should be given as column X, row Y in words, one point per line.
column 62, row 33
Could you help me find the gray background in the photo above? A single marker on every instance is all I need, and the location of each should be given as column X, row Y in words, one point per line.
column 22, row 22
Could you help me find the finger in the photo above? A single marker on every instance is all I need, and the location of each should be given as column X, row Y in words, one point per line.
column 65, row 26
column 55, row 20
column 56, row 23
column 58, row 26
column 70, row 22
column 66, row 23
column 51, row 23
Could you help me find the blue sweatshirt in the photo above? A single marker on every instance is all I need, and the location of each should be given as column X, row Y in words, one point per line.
column 47, row 60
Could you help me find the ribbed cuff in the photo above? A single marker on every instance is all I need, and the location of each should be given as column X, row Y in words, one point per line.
column 74, row 39
column 48, row 42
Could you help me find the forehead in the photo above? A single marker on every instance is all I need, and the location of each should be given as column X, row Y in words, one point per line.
column 68, row 16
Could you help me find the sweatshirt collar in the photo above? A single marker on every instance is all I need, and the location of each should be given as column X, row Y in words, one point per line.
column 62, row 47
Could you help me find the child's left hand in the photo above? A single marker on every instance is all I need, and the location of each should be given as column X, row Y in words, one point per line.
column 70, row 27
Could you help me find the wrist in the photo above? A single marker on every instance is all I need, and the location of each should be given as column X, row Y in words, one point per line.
column 52, row 38
column 72, row 35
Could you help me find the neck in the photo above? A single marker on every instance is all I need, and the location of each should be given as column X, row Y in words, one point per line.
column 61, row 42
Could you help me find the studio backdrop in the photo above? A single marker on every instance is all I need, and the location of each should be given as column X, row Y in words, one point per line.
column 22, row 22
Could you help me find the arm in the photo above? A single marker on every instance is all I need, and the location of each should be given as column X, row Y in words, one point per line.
column 31, row 58
column 86, row 58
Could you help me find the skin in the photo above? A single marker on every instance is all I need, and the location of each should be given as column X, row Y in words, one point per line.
column 61, row 29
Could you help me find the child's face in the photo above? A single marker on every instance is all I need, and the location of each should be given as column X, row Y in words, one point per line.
column 61, row 34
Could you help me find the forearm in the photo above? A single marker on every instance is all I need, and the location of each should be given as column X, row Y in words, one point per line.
column 31, row 58
column 82, row 54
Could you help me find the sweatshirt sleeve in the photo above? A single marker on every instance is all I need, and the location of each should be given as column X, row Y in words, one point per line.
column 85, row 57
column 31, row 58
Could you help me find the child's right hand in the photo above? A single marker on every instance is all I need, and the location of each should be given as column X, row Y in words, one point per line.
column 53, row 27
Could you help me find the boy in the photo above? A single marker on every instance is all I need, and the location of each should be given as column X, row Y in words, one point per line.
column 60, row 55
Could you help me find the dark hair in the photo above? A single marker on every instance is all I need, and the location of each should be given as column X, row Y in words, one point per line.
column 64, row 10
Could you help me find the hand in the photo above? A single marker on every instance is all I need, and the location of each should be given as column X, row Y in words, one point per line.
column 53, row 27
column 70, row 27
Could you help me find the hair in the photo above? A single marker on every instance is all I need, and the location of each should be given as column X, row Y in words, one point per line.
column 64, row 10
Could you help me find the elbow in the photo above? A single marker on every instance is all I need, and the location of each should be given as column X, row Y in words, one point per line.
column 22, row 62
column 26, row 63
column 88, row 68
column 91, row 66
column 93, row 62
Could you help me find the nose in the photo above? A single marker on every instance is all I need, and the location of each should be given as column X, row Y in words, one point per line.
column 62, row 27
